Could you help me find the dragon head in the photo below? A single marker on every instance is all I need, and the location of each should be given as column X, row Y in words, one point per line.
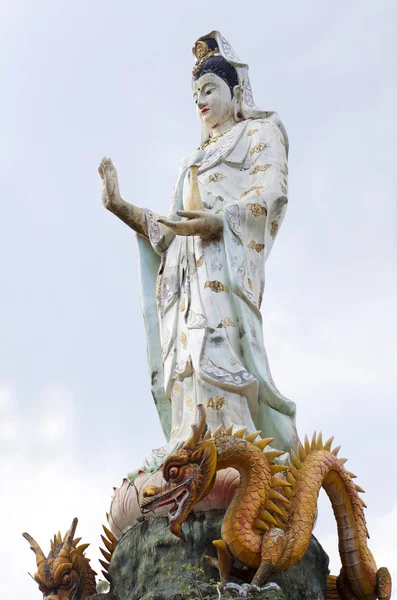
column 191, row 471
column 61, row 575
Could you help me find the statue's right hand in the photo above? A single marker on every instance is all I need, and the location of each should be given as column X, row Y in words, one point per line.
column 110, row 186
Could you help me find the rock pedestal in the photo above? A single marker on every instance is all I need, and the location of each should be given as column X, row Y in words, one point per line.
column 148, row 563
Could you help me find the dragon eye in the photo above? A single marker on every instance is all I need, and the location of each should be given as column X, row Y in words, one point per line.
column 173, row 472
column 66, row 580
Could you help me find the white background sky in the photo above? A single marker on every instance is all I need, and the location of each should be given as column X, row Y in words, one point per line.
column 85, row 79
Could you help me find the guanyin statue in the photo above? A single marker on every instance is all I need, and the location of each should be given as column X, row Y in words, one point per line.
column 202, row 269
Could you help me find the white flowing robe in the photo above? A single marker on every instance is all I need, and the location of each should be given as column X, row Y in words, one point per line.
column 201, row 300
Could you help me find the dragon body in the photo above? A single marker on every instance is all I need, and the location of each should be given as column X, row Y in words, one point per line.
column 269, row 522
column 66, row 574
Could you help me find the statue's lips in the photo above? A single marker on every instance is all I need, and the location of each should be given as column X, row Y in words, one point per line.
column 204, row 111
column 175, row 497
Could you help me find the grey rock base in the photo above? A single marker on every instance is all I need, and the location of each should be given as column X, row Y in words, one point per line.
column 148, row 564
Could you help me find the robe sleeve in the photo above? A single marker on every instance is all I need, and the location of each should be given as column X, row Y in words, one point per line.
column 252, row 222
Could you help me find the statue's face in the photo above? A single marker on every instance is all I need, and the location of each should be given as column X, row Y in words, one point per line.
column 213, row 100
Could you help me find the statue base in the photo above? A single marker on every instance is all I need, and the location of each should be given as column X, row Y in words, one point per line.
column 149, row 562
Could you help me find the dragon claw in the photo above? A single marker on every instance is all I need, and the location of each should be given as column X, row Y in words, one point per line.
column 246, row 588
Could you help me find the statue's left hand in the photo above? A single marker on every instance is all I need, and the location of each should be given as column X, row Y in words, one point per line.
column 197, row 222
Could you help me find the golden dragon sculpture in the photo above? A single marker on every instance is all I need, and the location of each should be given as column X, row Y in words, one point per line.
column 269, row 522
column 66, row 574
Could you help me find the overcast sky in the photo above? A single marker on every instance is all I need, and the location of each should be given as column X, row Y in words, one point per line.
column 81, row 80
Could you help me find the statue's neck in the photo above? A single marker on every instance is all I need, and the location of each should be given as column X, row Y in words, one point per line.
column 222, row 127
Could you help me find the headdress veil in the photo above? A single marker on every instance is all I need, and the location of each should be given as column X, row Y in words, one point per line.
column 248, row 108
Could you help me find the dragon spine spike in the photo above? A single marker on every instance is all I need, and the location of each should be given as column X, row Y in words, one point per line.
column 359, row 489
column 262, row 443
column 228, row 430
column 259, row 524
column 335, row 450
column 295, row 460
column 252, row 436
column 314, row 441
column 328, row 444
column 76, row 541
column 106, row 576
column 278, row 468
column 351, row 475
column 308, row 447
column 107, row 543
column 288, row 492
column 82, row 548
column 266, row 516
column 280, row 523
column 240, row 432
column 68, row 541
column 363, row 503
column 107, row 555
column 275, row 495
column 277, row 482
column 197, row 430
column 270, row 505
column 104, row 564
column 272, row 454
column 293, row 469
column 35, row 547
column 343, row 460
column 320, row 441
column 109, row 535
column 290, row 478
column 301, row 452
column 218, row 431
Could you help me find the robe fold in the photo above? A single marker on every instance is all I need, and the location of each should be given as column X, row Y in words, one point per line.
column 201, row 300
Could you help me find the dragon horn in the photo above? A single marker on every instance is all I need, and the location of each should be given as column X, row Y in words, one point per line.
column 36, row 548
column 197, row 430
column 68, row 540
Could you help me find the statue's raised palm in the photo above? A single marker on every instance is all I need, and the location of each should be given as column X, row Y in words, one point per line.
column 110, row 187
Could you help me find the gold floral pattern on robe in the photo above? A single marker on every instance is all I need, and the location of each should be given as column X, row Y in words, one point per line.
column 250, row 283
column 274, row 229
column 182, row 305
column 183, row 340
column 200, row 260
column 251, row 189
column 253, row 245
column 260, row 168
column 215, row 402
column 189, row 402
column 215, row 177
column 216, row 286
column 258, row 148
column 228, row 322
column 251, row 132
column 177, row 388
column 256, row 209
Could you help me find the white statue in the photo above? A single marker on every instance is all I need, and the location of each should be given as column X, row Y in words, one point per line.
column 203, row 269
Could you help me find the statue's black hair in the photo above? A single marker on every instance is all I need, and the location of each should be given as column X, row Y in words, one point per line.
column 219, row 66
